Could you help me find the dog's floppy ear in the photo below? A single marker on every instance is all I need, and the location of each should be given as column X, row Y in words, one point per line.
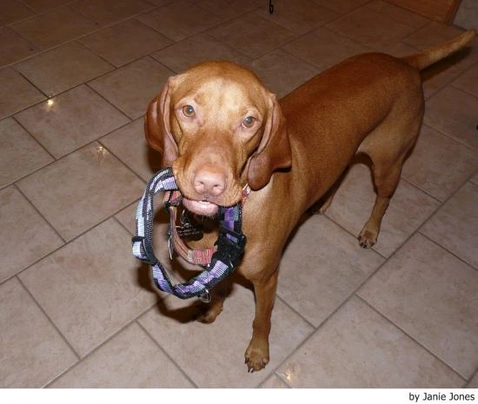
column 274, row 150
column 157, row 125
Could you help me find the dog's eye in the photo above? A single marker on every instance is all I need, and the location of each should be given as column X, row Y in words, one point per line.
column 188, row 111
column 249, row 122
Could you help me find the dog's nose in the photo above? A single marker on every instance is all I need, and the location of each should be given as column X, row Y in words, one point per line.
column 209, row 183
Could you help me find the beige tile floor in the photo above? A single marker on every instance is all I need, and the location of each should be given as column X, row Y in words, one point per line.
column 78, row 311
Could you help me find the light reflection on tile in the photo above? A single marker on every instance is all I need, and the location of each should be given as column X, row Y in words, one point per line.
column 355, row 349
column 71, row 120
column 182, row 339
column 81, row 190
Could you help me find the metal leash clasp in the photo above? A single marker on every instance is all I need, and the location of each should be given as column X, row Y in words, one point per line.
column 205, row 297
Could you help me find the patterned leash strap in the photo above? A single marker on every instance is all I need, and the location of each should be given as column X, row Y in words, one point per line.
column 229, row 245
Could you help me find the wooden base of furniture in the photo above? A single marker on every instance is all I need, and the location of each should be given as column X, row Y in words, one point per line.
column 438, row 10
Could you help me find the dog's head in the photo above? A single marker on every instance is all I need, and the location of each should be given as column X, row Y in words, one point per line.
column 219, row 128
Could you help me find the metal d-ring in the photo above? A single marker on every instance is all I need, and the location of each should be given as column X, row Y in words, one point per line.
column 205, row 297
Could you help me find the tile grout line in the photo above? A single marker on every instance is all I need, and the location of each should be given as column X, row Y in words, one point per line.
column 422, row 345
column 464, row 90
column 49, row 319
column 328, row 317
column 96, row 348
column 355, row 293
column 70, row 40
column 68, row 242
column 166, row 353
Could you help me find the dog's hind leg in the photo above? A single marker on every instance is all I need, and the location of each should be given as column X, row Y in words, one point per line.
column 386, row 182
column 387, row 163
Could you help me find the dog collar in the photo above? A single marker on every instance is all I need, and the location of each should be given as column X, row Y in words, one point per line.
column 219, row 262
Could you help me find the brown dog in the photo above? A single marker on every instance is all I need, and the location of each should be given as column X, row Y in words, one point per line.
column 220, row 129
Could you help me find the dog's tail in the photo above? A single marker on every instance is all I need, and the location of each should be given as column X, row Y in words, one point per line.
column 432, row 55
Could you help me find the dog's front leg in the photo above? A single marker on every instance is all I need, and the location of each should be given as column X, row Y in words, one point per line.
column 257, row 353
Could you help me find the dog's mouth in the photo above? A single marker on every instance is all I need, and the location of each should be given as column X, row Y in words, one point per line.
column 202, row 208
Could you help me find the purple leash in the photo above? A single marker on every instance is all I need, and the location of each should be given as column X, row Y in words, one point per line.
column 230, row 243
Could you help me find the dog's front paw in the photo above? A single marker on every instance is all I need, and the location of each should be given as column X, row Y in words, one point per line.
column 367, row 239
column 207, row 313
column 256, row 357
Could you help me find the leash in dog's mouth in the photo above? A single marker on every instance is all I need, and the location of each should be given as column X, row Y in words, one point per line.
column 218, row 262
